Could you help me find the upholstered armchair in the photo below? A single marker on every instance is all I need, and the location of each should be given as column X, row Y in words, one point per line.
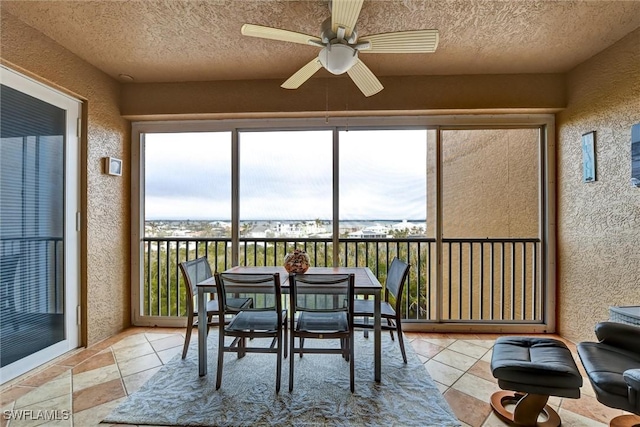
column 613, row 367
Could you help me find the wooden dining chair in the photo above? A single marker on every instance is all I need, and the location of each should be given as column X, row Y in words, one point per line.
column 194, row 272
column 324, row 306
column 391, row 305
column 269, row 320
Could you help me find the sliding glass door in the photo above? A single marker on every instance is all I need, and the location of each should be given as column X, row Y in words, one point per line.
column 39, row 240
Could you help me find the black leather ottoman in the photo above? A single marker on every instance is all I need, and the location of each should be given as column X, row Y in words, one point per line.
column 533, row 369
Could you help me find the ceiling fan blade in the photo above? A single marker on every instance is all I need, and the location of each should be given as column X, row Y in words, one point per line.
column 344, row 13
column 302, row 75
column 419, row 41
column 277, row 34
column 366, row 81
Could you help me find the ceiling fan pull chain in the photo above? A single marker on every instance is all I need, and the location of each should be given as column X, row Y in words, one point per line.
column 326, row 89
column 347, row 111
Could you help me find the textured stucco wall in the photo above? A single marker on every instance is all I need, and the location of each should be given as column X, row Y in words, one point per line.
column 402, row 94
column 599, row 222
column 490, row 183
column 106, row 268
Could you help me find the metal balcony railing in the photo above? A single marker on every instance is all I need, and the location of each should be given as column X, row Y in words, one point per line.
column 483, row 280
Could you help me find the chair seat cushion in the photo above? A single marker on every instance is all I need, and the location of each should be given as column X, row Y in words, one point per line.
column 323, row 322
column 606, row 364
column 535, row 365
column 364, row 308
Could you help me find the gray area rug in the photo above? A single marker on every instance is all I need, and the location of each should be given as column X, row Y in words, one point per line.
column 177, row 396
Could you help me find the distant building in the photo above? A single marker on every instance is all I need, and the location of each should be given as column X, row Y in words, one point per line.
column 406, row 225
column 369, row 233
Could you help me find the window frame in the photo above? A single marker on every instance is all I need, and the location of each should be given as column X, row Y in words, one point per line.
column 547, row 207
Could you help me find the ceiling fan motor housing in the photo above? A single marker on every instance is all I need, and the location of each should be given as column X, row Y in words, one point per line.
column 338, row 58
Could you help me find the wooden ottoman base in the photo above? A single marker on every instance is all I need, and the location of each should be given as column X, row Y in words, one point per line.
column 527, row 409
column 625, row 421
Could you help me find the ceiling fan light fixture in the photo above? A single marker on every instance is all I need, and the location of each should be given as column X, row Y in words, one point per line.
column 338, row 58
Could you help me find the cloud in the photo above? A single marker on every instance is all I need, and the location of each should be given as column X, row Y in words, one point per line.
column 286, row 175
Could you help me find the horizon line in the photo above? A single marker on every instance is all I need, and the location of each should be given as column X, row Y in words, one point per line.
column 289, row 220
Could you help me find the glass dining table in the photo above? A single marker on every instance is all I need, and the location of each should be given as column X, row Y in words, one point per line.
column 366, row 283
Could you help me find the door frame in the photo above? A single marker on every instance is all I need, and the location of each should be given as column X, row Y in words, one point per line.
column 73, row 108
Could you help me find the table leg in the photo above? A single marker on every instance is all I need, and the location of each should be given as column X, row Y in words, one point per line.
column 377, row 335
column 202, row 333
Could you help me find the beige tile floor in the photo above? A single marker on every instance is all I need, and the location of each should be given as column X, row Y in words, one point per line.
column 86, row 385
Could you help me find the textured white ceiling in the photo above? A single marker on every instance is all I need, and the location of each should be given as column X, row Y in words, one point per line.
column 182, row 40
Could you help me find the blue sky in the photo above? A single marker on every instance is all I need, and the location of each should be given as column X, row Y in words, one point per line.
column 286, row 175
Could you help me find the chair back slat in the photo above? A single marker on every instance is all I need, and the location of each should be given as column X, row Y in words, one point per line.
column 267, row 285
column 194, row 272
column 321, row 292
column 396, row 276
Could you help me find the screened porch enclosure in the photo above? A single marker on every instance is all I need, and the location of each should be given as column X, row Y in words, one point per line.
column 464, row 206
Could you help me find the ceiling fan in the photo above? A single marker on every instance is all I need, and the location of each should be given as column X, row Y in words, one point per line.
column 340, row 46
